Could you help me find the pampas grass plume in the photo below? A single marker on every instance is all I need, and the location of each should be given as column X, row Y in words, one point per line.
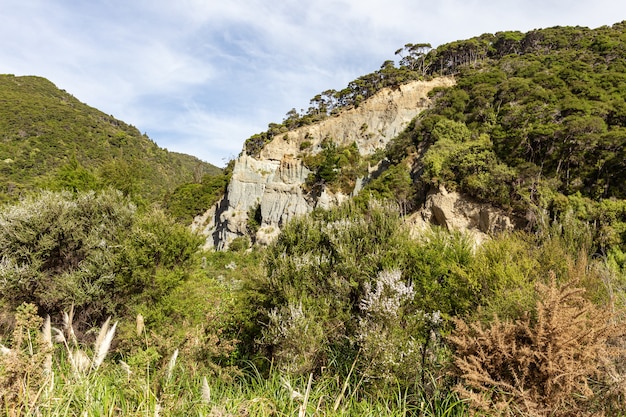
column 102, row 334
column 103, row 343
column 126, row 368
column 80, row 361
column 140, row 324
column 172, row 364
column 68, row 319
column 206, row 391
column 293, row 394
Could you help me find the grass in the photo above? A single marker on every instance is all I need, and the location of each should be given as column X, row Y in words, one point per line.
column 115, row 389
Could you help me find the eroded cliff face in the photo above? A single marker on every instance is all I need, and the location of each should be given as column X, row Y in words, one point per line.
column 456, row 212
column 371, row 125
column 265, row 192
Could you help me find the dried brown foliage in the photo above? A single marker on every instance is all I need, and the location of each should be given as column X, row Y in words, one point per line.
column 25, row 368
column 555, row 362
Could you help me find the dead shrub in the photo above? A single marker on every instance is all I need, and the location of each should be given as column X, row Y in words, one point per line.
column 556, row 362
column 25, row 368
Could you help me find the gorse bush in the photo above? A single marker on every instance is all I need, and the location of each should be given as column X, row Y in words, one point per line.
column 90, row 250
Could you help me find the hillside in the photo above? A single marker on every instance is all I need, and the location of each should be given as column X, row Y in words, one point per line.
column 290, row 174
column 533, row 125
column 442, row 238
column 50, row 139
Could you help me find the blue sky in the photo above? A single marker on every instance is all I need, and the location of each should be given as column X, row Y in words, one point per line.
column 201, row 76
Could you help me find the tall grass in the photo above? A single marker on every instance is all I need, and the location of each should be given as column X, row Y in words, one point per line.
column 111, row 387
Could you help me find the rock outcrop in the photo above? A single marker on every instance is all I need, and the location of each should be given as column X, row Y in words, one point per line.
column 456, row 212
column 371, row 125
column 266, row 191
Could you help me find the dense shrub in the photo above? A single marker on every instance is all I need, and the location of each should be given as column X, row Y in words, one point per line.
column 189, row 200
column 59, row 249
column 558, row 361
column 90, row 250
column 351, row 285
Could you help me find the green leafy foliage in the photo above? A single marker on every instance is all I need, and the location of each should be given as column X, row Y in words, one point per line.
column 52, row 140
column 552, row 109
column 351, row 280
column 59, row 249
column 393, row 184
column 334, row 167
column 456, row 159
column 90, row 250
column 191, row 199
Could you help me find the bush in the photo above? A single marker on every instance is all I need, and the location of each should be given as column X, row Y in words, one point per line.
column 190, row 200
column 59, row 249
column 239, row 244
column 347, row 285
column 543, row 363
column 92, row 251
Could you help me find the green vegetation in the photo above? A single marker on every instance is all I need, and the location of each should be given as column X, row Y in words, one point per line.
column 533, row 125
column 336, row 168
column 51, row 140
column 192, row 199
column 93, row 251
column 345, row 314
column 348, row 312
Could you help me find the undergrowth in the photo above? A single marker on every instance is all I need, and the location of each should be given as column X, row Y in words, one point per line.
column 42, row 376
column 561, row 359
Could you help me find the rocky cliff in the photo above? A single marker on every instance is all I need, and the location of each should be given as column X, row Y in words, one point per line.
column 457, row 212
column 266, row 191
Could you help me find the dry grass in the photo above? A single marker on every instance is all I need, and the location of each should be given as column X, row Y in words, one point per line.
column 26, row 367
column 556, row 362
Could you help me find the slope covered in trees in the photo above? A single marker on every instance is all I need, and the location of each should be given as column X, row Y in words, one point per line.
column 348, row 312
column 535, row 124
column 50, row 139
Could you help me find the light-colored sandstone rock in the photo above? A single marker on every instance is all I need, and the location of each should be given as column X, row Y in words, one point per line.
column 371, row 125
column 273, row 181
column 456, row 212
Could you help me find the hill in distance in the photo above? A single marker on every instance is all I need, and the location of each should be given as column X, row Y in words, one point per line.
column 49, row 139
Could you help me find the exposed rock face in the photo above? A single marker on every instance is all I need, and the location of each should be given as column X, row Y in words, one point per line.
column 455, row 212
column 371, row 125
column 272, row 183
column 273, row 187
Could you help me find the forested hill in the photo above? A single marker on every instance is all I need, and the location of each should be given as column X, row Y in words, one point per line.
column 49, row 139
column 535, row 124
column 551, row 104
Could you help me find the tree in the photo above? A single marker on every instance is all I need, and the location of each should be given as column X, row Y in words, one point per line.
column 413, row 56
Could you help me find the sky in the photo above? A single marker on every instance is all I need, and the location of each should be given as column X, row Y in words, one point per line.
column 201, row 76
